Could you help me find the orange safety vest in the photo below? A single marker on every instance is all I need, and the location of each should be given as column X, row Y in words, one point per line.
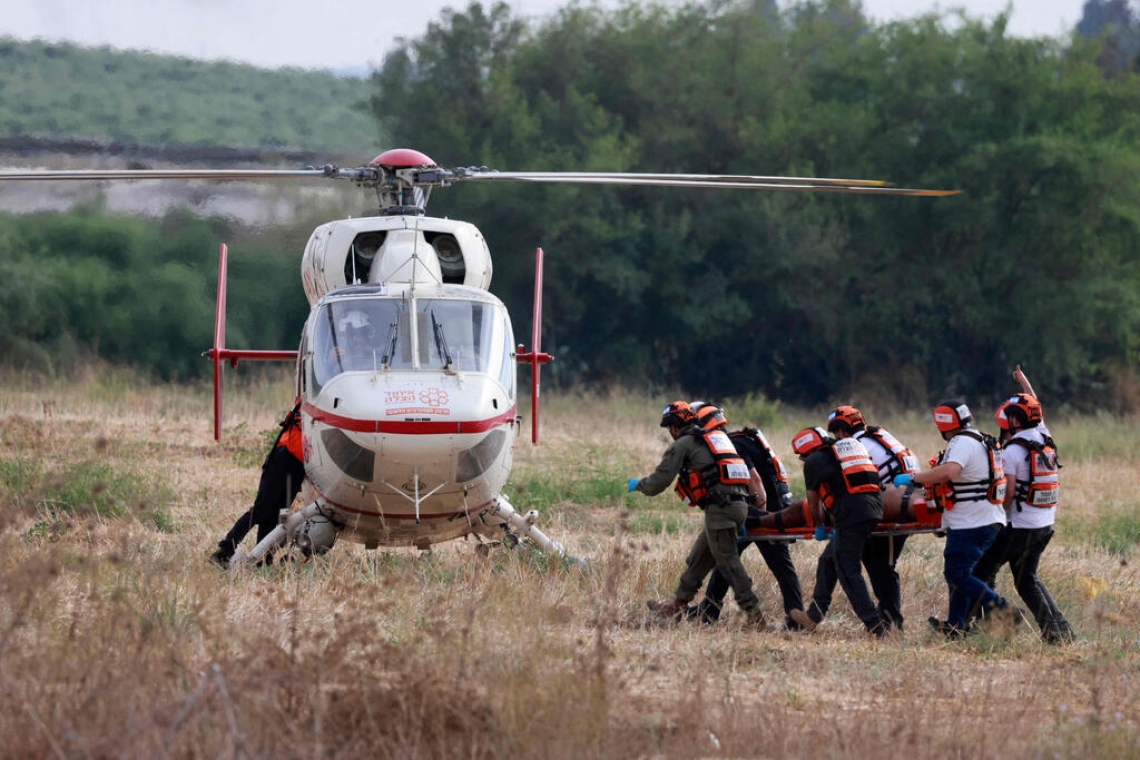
column 1043, row 485
column 902, row 459
column 859, row 473
column 728, row 468
column 290, row 436
column 945, row 495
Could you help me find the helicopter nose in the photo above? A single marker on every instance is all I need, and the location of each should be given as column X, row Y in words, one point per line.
column 437, row 431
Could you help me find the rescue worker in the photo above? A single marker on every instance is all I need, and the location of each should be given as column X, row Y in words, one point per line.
column 1029, row 458
column 354, row 346
column 712, row 476
column 880, row 553
column 969, row 483
column 768, row 490
column 282, row 475
column 841, row 479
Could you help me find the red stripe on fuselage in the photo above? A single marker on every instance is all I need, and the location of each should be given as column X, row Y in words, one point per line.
column 409, row 427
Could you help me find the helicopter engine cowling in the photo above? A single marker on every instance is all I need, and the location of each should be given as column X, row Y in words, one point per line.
column 386, row 250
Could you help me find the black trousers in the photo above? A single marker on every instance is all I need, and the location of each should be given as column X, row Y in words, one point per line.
column 281, row 478
column 778, row 558
column 880, row 555
column 1022, row 549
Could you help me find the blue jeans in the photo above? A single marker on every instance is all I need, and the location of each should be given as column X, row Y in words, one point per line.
column 963, row 550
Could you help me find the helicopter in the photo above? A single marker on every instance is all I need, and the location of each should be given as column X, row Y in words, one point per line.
column 406, row 367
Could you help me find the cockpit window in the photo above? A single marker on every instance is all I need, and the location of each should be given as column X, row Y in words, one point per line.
column 349, row 336
column 448, row 334
column 457, row 333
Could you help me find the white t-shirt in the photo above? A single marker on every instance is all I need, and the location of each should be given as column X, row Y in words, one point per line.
column 975, row 460
column 1015, row 459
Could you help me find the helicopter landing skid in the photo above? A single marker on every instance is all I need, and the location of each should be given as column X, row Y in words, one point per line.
column 517, row 526
column 279, row 535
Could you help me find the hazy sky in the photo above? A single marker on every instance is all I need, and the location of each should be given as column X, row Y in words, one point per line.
column 356, row 33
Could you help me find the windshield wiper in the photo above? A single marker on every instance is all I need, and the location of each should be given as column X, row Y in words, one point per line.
column 441, row 342
column 390, row 342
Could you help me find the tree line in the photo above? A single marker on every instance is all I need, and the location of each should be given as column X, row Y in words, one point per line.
column 138, row 292
column 802, row 297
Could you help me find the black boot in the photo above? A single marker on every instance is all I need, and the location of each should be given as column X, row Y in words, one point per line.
column 947, row 630
column 707, row 612
column 222, row 556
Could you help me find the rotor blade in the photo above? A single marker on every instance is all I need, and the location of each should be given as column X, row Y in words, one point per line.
column 742, row 182
column 215, row 174
column 640, row 177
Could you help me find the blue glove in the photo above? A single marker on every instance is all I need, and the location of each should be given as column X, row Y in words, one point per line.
column 821, row 533
column 903, row 480
column 633, row 483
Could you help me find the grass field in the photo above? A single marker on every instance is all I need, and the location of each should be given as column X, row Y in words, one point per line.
column 119, row 639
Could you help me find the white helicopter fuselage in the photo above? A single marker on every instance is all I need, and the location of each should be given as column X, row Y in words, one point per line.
column 411, row 439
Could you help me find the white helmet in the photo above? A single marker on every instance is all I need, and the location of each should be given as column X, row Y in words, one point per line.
column 355, row 320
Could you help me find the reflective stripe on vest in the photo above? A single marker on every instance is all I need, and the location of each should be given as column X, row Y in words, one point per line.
column 1043, row 486
column 859, row 473
column 902, row 459
column 728, row 469
column 991, row 490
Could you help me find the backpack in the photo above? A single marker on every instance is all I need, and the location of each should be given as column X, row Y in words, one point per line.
column 754, row 447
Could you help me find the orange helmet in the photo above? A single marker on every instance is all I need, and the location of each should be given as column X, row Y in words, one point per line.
column 847, row 417
column 709, row 416
column 1021, row 409
column 679, row 413
column 952, row 415
column 809, row 439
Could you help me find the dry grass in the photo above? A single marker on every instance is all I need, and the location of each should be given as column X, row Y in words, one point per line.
column 121, row 641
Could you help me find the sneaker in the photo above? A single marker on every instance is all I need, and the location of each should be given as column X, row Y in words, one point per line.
column 806, row 623
column 221, row 558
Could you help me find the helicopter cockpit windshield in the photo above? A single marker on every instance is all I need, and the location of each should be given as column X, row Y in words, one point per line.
column 447, row 334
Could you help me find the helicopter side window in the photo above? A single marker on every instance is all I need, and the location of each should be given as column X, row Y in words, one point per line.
column 507, row 373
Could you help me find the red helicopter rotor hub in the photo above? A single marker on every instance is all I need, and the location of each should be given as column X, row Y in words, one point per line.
column 402, row 158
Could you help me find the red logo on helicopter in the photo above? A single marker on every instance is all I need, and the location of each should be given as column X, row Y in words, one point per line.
column 434, row 397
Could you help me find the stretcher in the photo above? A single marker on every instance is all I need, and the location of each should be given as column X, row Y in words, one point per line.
column 906, row 511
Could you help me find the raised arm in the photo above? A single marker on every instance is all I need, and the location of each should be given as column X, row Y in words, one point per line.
column 1023, row 381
